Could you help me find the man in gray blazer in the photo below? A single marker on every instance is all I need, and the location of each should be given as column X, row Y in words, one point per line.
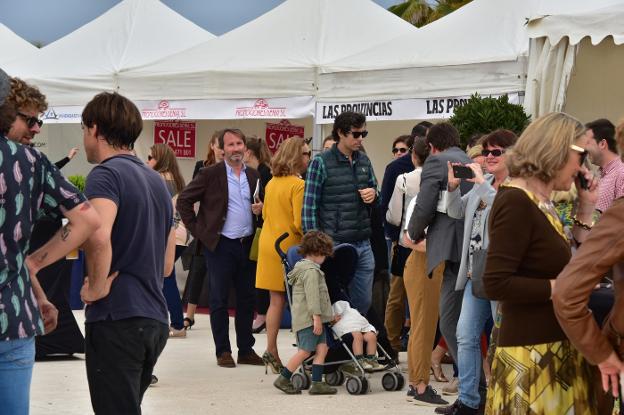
column 444, row 234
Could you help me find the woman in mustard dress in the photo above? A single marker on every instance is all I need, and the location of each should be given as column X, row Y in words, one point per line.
column 283, row 200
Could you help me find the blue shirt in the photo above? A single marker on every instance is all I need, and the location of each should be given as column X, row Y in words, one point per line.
column 238, row 222
column 30, row 186
column 139, row 238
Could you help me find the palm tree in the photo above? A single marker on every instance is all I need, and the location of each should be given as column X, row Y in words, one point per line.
column 422, row 12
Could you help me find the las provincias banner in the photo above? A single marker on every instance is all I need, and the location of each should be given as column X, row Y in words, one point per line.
column 179, row 135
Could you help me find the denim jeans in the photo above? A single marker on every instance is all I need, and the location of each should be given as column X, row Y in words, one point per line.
column 361, row 287
column 17, row 358
column 475, row 312
column 172, row 294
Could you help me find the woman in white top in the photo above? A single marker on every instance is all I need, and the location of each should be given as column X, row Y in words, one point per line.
column 423, row 291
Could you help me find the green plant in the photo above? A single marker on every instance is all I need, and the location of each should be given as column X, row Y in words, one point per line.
column 486, row 114
column 78, row 181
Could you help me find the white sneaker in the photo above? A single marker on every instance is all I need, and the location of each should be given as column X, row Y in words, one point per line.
column 365, row 364
column 452, row 388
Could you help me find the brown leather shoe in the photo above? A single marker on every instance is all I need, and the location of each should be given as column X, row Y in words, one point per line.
column 225, row 360
column 250, row 359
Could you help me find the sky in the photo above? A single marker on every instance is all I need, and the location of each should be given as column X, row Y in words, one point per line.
column 48, row 20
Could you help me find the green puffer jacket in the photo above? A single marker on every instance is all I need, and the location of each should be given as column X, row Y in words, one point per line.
column 309, row 295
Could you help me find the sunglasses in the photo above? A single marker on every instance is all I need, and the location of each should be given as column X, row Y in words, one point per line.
column 307, row 153
column 358, row 134
column 401, row 150
column 496, row 152
column 150, row 158
column 581, row 151
column 30, row 121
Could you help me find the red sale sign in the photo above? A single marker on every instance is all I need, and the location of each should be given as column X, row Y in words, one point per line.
column 276, row 133
column 179, row 135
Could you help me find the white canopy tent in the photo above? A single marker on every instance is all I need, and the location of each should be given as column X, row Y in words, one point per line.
column 575, row 59
column 87, row 61
column 13, row 46
column 482, row 47
column 276, row 55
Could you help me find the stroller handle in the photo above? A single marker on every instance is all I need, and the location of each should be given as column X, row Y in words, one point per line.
column 278, row 241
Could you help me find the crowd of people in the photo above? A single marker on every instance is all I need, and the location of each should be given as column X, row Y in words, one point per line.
column 471, row 243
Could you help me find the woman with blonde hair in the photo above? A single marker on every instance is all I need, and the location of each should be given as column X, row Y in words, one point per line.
column 283, row 201
column 535, row 369
column 163, row 160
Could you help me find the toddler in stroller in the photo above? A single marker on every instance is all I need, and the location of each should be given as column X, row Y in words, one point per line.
column 310, row 308
column 348, row 320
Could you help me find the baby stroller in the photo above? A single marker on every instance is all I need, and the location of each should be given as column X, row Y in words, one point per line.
column 338, row 271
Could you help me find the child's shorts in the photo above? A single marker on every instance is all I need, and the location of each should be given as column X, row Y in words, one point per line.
column 307, row 340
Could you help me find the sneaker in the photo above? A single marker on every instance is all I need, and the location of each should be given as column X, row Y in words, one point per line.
column 411, row 392
column 447, row 410
column 351, row 369
column 429, row 397
column 285, row 385
column 322, row 388
column 375, row 365
column 461, row 409
column 452, row 388
column 365, row 364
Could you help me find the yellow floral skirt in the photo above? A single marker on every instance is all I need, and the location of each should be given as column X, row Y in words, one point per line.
column 541, row 379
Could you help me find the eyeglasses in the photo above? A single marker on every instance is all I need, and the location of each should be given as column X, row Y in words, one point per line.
column 496, row 152
column 401, row 150
column 358, row 134
column 149, row 157
column 30, row 121
column 581, row 151
column 307, row 153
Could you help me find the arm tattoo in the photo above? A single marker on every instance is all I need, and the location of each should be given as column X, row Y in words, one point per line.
column 65, row 231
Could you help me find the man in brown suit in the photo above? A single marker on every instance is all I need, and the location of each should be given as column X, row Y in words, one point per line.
column 225, row 224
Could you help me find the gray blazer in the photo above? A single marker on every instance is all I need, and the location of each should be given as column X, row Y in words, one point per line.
column 444, row 234
column 460, row 207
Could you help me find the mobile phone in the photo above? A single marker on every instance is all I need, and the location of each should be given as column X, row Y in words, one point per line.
column 582, row 179
column 462, row 172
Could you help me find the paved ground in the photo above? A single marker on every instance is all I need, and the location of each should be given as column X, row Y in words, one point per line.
column 192, row 383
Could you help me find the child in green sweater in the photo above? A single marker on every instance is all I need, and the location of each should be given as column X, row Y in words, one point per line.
column 311, row 308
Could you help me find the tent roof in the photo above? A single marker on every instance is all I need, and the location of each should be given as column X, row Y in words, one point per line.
column 13, row 46
column 577, row 19
column 482, row 47
column 276, row 55
column 87, row 61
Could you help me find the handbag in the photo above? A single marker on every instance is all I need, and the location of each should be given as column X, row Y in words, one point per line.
column 478, row 269
column 253, row 252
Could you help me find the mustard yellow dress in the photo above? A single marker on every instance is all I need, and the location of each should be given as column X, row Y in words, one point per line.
column 283, row 200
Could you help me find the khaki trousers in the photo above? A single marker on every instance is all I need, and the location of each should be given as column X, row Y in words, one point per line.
column 423, row 296
column 395, row 312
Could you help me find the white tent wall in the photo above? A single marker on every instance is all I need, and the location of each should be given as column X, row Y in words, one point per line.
column 596, row 89
column 13, row 46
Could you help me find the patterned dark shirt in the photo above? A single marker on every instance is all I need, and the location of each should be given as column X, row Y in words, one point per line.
column 30, row 186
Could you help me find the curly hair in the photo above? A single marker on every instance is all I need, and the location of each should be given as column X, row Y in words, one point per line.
column 316, row 243
column 288, row 159
column 23, row 96
column 543, row 148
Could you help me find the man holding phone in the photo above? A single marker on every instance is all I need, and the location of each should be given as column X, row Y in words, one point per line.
column 225, row 224
column 444, row 234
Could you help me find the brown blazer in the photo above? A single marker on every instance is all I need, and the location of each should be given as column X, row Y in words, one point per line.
column 210, row 188
column 602, row 250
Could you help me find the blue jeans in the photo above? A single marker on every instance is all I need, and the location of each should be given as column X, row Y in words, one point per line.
column 475, row 313
column 361, row 286
column 17, row 358
column 172, row 294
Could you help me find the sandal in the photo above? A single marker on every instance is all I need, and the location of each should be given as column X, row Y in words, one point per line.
column 437, row 372
column 270, row 360
column 188, row 323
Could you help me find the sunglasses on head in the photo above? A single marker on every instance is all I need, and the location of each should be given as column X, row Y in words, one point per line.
column 495, row 152
column 581, row 151
column 358, row 134
column 401, row 150
column 30, row 121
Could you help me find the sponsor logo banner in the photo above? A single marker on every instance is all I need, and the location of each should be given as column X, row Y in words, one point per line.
column 179, row 135
column 277, row 133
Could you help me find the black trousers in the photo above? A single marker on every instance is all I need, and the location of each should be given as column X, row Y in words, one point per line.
column 120, row 357
column 228, row 265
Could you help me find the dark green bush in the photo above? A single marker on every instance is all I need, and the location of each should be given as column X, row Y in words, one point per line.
column 78, row 181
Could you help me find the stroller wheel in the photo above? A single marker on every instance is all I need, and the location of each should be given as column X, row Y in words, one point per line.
column 364, row 385
column 301, row 381
column 390, row 381
column 334, row 378
column 401, row 381
column 354, row 386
